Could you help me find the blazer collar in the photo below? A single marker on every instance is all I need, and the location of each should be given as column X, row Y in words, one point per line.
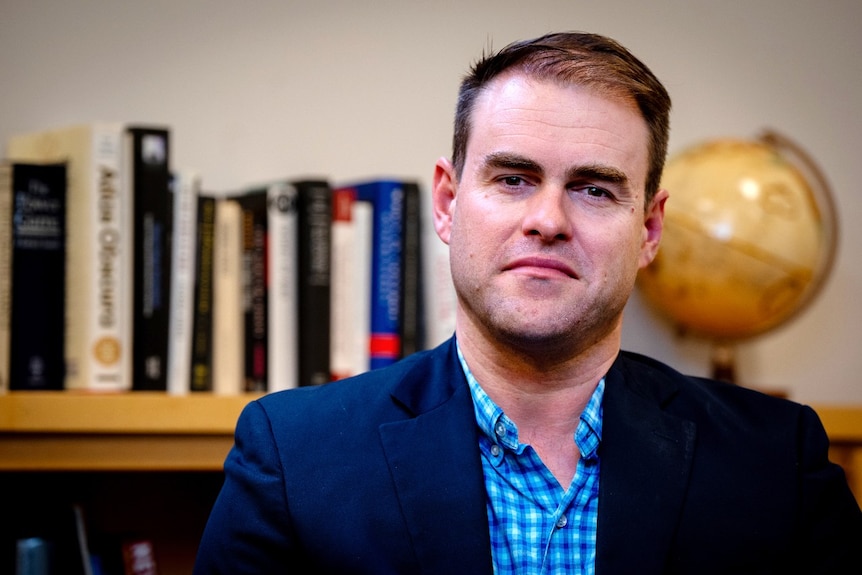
column 646, row 456
column 434, row 460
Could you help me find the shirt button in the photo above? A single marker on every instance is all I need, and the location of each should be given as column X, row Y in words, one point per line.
column 495, row 450
column 500, row 429
column 561, row 522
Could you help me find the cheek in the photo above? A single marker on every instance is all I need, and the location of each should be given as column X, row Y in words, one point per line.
column 618, row 250
column 474, row 245
column 474, row 228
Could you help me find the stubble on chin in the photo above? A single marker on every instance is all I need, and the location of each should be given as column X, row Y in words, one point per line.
column 522, row 327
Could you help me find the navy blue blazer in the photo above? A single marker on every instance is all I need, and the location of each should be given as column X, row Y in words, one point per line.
column 381, row 474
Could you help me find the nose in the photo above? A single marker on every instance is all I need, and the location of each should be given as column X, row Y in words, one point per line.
column 548, row 215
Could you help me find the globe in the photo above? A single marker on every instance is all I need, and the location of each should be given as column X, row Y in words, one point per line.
column 749, row 238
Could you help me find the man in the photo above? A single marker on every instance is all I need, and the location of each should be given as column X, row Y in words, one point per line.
column 529, row 443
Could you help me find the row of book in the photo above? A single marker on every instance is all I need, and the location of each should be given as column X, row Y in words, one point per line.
column 119, row 272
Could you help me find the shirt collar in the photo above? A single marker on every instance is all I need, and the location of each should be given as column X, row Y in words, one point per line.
column 498, row 428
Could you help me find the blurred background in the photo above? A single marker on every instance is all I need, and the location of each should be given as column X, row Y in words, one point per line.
column 349, row 89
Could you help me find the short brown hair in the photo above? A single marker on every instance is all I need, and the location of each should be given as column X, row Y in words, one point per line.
column 578, row 58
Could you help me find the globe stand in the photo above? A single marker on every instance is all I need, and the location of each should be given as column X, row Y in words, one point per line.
column 723, row 362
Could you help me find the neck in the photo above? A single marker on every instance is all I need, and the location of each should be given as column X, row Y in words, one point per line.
column 539, row 391
column 544, row 398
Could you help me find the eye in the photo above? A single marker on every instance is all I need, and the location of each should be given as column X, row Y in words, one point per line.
column 594, row 191
column 513, row 181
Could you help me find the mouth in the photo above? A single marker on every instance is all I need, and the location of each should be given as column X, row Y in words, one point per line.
column 541, row 267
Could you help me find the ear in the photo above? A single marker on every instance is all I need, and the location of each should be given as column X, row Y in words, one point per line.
column 653, row 226
column 443, row 198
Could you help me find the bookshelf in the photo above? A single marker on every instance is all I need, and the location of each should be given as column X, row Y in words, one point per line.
column 139, row 431
column 150, row 462
column 143, row 463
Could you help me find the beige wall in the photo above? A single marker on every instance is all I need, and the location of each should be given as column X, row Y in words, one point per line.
column 261, row 89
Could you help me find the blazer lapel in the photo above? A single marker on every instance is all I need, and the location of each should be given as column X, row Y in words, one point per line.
column 434, row 461
column 645, row 461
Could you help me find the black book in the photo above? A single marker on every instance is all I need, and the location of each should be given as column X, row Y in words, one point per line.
column 202, row 323
column 412, row 310
column 37, row 271
column 314, row 207
column 253, row 204
column 148, row 168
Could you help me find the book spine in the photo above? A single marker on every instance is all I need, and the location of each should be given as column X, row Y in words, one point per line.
column 343, row 283
column 99, row 299
column 283, row 310
column 315, row 253
column 351, row 283
column 5, row 271
column 387, row 199
column 254, row 264
column 99, row 266
column 411, row 300
column 150, row 175
column 363, row 216
column 201, row 361
column 228, row 325
column 185, row 188
column 38, row 267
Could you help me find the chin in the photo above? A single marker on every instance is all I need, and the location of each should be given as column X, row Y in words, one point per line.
column 539, row 338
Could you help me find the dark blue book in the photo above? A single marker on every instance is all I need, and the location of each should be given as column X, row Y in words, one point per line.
column 387, row 201
column 37, row 276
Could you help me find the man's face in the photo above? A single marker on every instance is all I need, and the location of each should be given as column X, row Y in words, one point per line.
column 547, row 226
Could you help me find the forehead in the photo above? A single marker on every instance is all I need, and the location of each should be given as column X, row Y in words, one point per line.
column 564, row 121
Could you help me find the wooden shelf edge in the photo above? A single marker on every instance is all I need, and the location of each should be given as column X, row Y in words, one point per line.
column 207, row 413
column 110, row 452
column 120, row 413
column 843, row 423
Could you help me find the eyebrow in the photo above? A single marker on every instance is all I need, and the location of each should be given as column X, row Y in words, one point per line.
column 596, row 172
column 599, row 172
column 510, row 161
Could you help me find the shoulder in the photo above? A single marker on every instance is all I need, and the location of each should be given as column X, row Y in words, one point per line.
column 379, row 395
column 706, row 400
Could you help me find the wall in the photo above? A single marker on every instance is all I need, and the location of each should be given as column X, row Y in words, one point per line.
column 346, row 89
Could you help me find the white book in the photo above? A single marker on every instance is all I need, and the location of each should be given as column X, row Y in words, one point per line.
column 98, row 339
column 283, row 343
column 342, row 283
column 350, row 322
column 228, row 322
column 185, row 188
column 363, row 214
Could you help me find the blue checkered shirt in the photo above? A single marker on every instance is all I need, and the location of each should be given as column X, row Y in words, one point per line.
column 536, row 526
